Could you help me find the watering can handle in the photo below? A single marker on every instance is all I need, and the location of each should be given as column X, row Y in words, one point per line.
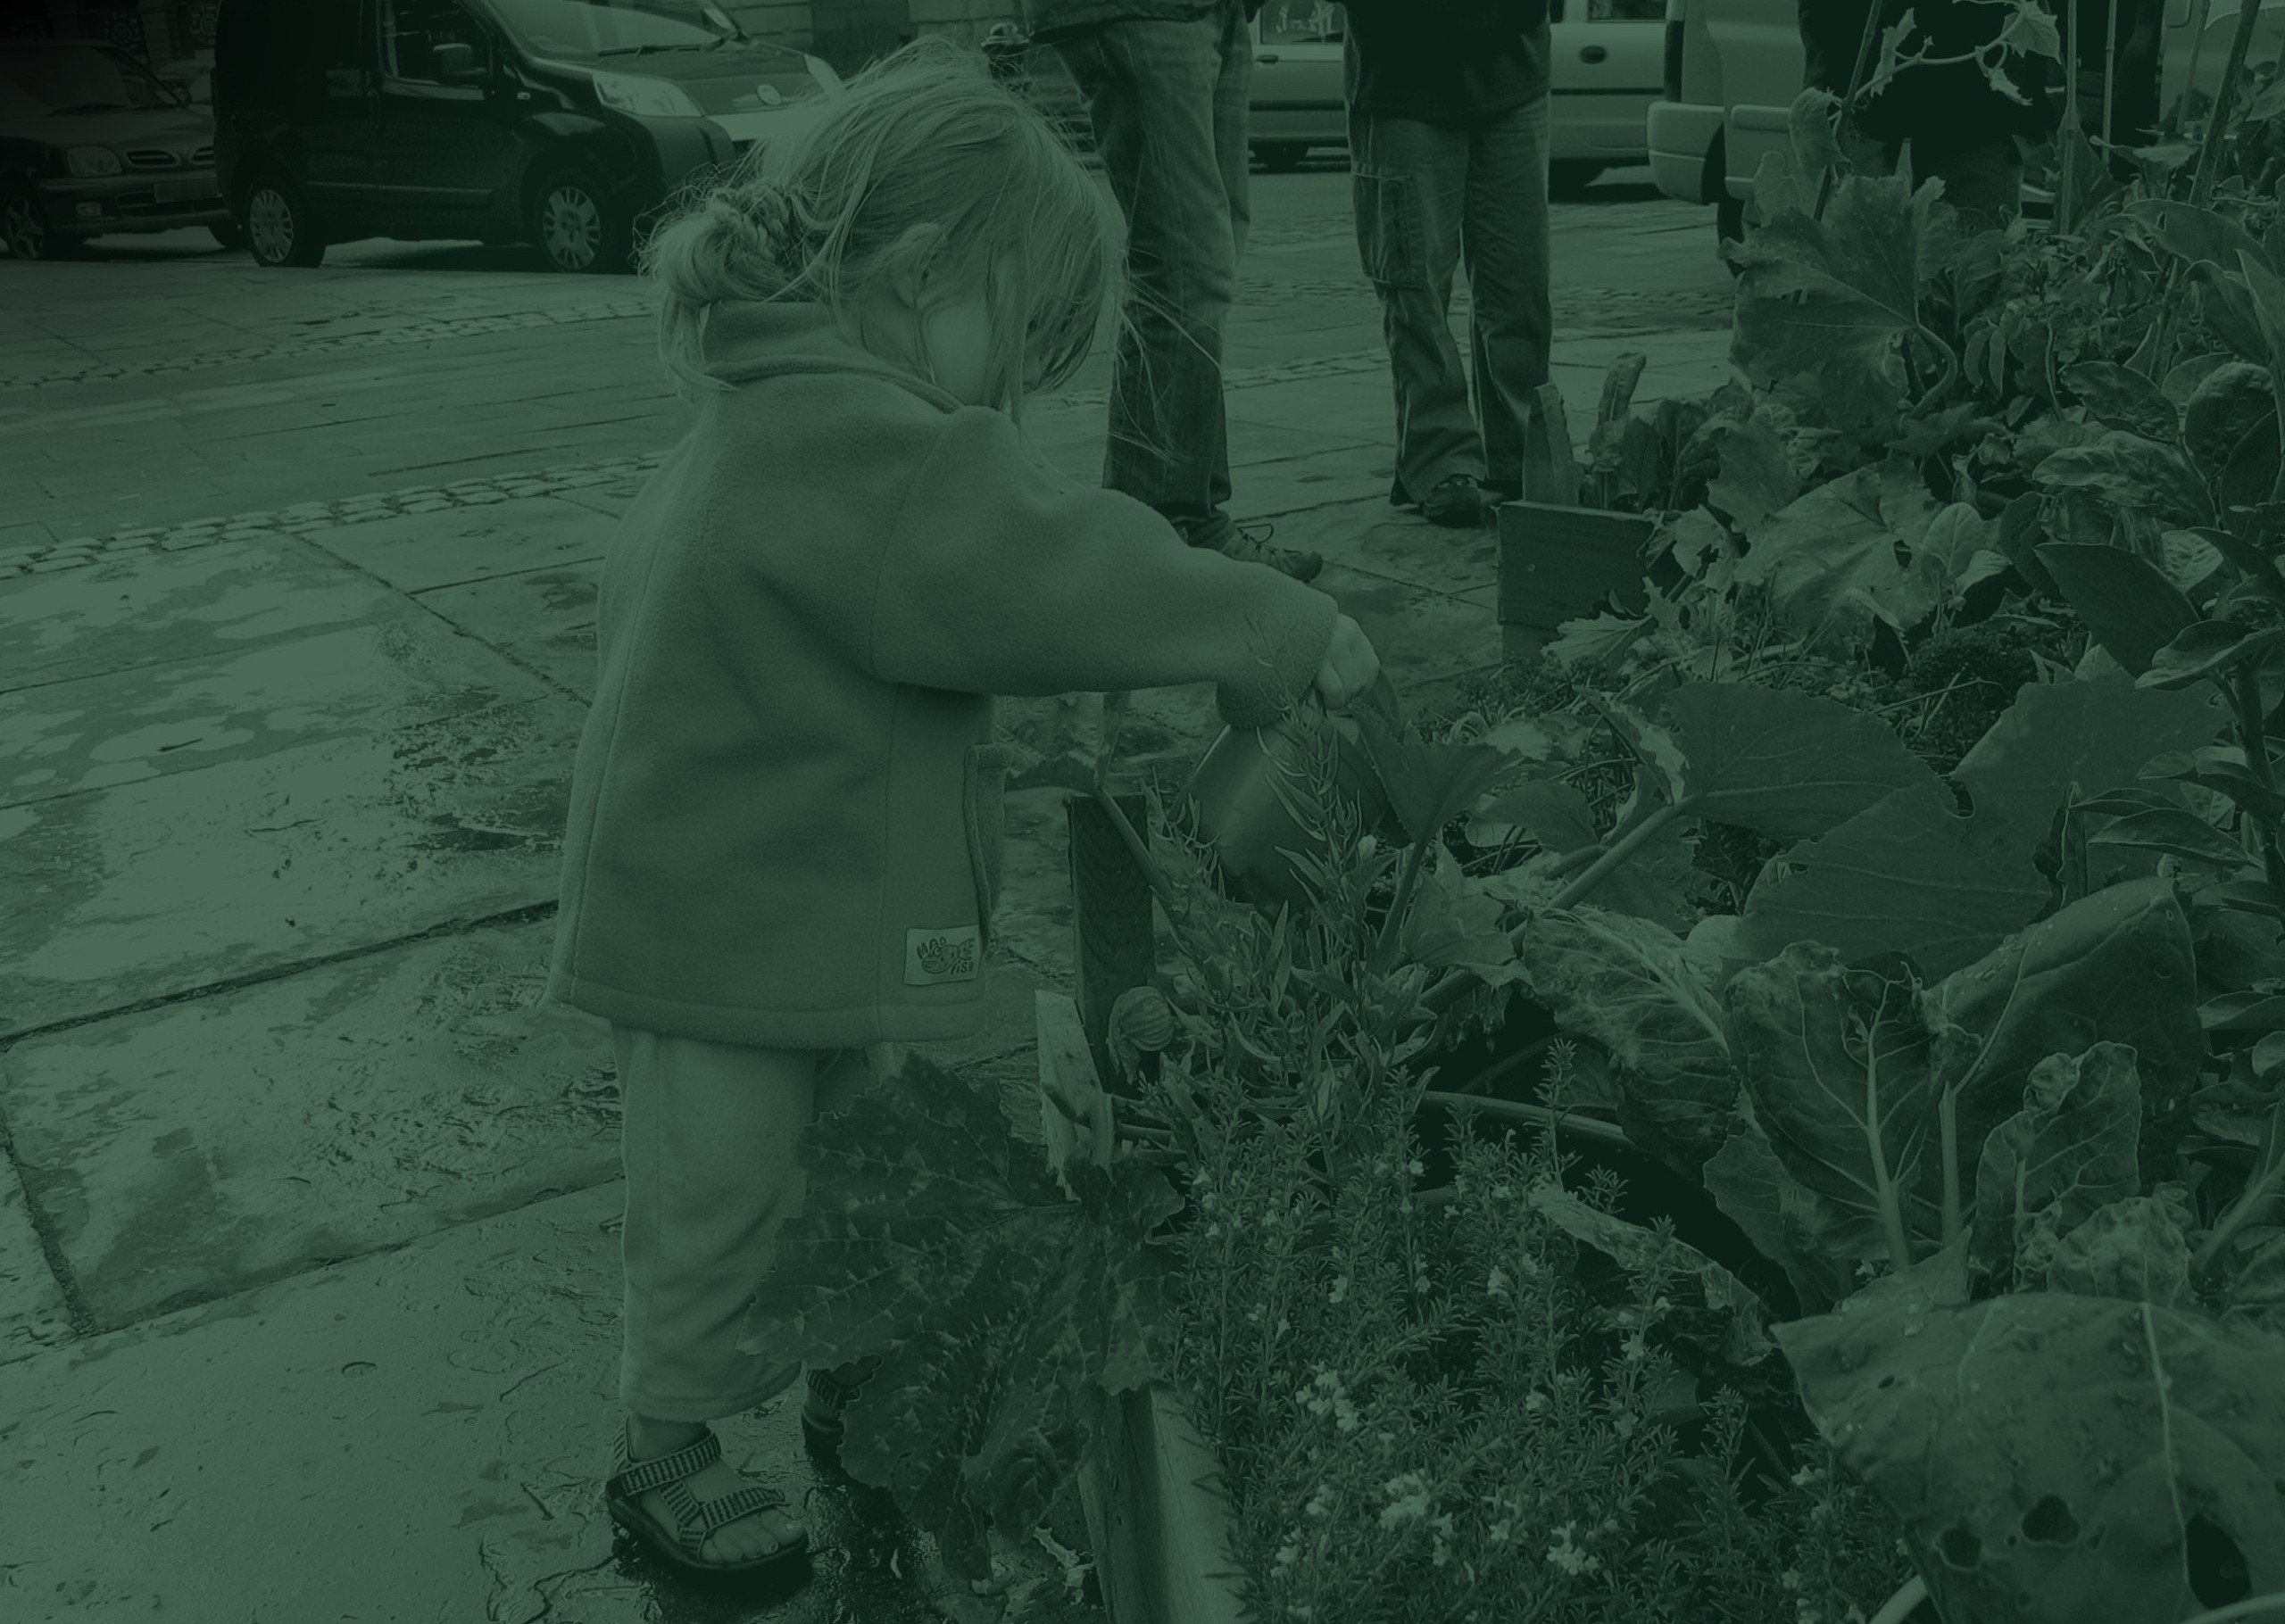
column 1380, row 700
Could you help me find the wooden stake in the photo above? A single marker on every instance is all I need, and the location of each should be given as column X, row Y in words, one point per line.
column 1113, row 933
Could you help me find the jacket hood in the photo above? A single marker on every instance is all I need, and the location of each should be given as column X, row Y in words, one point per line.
column 748, row 340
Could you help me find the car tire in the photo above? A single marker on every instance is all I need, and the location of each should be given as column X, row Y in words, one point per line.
column 27, row 235
column 280, row 229
column 578, row 227
column 1568, row 179
column 1730, row 225
column 229, row 234
column 1281, row 156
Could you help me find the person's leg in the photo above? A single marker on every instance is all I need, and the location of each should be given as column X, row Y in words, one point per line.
column 1161, row 95
column 1511, row 323
column 1983, row 176
column 709, row 1136
column 1407, row 181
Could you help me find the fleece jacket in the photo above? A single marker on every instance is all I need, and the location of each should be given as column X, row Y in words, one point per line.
column 784, row 826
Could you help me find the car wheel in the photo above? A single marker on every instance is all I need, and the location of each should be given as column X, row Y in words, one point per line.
column 1281, row 156
column 229, row 235
column 1568, row 179
column 577, row 226
column 25, row 231
column 279, row 228
column 1730, row 225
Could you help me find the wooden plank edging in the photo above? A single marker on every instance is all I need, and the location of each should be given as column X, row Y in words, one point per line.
column 1157, row 1522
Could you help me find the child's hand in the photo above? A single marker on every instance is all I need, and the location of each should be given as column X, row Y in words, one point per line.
column 1351, row 666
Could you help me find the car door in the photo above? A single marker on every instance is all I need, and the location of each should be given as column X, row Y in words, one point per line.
column 1297, row 93
column 327, row 71
column 1759, row 43
column 445, row 152
column 2197, row 42
column 1608, row 65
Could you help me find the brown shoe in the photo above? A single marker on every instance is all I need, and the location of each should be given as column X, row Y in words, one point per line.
column 1250, row 544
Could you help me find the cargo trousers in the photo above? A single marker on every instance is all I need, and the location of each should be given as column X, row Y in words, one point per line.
column 710, row 1138
column 1430, row 199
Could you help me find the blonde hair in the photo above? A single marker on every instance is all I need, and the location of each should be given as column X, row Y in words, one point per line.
column 923, row 137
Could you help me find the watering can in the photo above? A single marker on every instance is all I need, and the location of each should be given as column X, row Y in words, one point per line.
column 1234, row 793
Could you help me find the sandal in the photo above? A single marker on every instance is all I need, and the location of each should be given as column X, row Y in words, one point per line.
column 694, row 1520
column 829, row 1394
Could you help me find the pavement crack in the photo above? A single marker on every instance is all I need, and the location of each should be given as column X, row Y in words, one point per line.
column 519, row 1382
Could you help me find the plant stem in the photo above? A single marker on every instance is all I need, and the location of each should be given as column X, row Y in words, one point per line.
column 1634, row 840
column 2258, row 1192
column 1607, row 1132
column 1406, row 883
column 2253, row 732
column 2225, row 95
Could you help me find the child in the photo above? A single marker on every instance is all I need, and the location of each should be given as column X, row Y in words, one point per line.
column 784, row 842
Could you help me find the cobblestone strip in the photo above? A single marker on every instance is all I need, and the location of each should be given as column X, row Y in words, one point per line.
column 417, row 332
column 312, row 517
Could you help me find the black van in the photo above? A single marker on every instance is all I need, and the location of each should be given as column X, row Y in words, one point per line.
column 560, row 122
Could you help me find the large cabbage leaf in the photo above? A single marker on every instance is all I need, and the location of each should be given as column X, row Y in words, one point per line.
column 2058, row 1459
column 1000, row 1307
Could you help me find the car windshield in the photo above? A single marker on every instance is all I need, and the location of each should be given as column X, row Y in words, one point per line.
column 600, row 28
column 41, row 81
column 1291, row 23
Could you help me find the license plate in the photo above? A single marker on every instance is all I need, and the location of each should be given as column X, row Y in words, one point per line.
column 184, row 191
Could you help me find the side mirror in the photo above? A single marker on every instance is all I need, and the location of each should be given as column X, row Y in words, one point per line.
column 455, row 64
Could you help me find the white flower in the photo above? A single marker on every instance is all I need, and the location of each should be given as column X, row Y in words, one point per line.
column 1321, row 1503
column 1790, row 1580
column 1624, row 1426
column 1496, row 1285
column 1535, row 1402
column 1499, row 1531
column 1637, row 1350
column 1408, row 1500
column 1414, row 1167
column 1338, row 1290
column 1562, row 1554
column 1288, row 1554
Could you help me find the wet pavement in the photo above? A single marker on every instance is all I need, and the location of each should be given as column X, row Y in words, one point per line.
column 309, row 1273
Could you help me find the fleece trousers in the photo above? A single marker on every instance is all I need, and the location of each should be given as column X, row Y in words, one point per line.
column 710, row 1139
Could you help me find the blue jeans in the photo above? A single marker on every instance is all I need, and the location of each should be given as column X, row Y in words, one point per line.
column 1428, row 197
column 1167, row 101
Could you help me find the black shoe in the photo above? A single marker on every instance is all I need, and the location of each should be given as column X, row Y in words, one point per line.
column 1458, row 502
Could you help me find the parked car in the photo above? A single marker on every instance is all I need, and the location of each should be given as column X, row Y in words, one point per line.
column 92, row 143
column 564, row 123
column 1604, row 74
column 1733, row 67
column 194, row 76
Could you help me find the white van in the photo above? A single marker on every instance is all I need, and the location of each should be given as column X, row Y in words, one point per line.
column 1603, row 75
column 1733, row 67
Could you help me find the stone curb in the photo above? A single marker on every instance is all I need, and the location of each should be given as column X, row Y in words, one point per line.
column 423, row 332
column 313, row 517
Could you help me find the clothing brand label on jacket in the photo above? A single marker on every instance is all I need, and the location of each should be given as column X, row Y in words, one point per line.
column 942, row 956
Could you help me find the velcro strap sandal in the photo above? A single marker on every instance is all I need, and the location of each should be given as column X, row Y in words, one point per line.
column 694, row 1519
column 829, row 1393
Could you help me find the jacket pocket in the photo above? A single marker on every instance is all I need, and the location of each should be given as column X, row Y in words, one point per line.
column 983, row 786
column 1388, row 233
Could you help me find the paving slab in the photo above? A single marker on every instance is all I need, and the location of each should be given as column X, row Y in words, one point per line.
column 33, row 1314
column 248, row 867
column 415, row 552
column 123, row 727
column 414, row 1435
column 173, row 606
column 191, row 1151
column 544, row 618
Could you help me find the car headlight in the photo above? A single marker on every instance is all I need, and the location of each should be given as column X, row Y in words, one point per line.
column 91, row 162
column 647, row 98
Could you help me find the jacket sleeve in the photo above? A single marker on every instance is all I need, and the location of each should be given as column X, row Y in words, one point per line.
column 1000, row 576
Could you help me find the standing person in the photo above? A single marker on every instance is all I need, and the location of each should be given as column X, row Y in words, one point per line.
column 782, row 848
column 1963, row 131
column 1166, row 83
column 1448, row 151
